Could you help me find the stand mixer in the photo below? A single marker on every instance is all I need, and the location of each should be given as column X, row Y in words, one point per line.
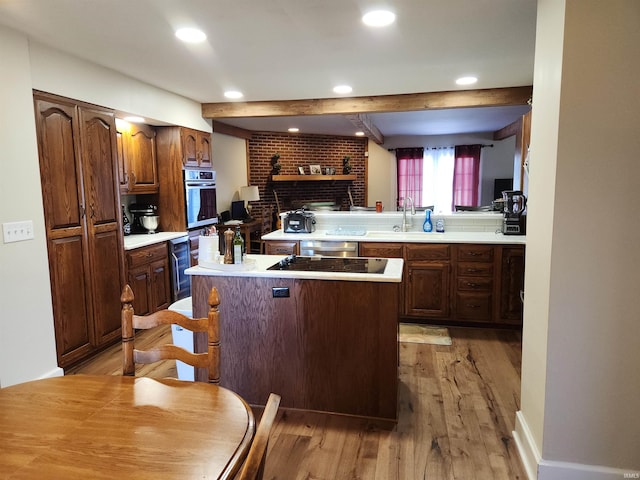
column 514, row 204
column 145, row 217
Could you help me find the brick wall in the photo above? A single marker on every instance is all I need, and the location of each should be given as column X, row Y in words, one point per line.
column 304, row 150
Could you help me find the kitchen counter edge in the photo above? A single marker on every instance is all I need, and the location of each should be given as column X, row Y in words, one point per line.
column 131, row 242
column 392, row 273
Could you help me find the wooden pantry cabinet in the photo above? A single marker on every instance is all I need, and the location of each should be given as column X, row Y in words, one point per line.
column 148, row 276
column 465, row 283
column 137, row 163
column 78, row 171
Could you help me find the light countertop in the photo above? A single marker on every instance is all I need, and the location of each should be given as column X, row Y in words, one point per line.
column 258, row 264
column 142, row 240
column 404, row 237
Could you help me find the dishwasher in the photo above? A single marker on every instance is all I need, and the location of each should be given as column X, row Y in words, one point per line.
column 328, row 248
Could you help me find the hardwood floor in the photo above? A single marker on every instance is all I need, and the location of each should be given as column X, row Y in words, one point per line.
column 457, row 408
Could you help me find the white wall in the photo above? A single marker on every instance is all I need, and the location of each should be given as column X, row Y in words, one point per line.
column 27, row 346
column 27, row 342
column 580, row 386
column 230, row 163
column 381, row 181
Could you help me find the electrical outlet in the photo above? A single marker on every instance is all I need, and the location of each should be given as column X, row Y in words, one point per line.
column 17, row 231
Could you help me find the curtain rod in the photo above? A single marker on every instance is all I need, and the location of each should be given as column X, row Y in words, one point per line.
column 436, row 148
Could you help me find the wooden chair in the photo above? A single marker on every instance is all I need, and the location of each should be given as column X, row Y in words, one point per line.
column 253, row 467
column 257, row 245
column 209, row 325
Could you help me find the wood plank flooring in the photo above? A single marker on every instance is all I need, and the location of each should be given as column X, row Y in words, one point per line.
column 456, row 403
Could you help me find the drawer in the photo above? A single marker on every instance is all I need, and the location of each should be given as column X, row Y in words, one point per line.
column 474, row 284
column 473, row 306
column 144, row 255
column 427, row 252
column 478, row 269
column 475, row 253
column 381, row 250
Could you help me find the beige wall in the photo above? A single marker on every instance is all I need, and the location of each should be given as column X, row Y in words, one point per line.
column 381, row 173
column 580, row 387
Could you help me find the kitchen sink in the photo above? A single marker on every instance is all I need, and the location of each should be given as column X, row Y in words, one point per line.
column 401, row 235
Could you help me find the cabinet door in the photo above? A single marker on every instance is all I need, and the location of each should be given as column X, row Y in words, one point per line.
column 138, row 279
column 63, row 199
column 511, row 284
column 427, row 291
column 160, row 284
column 123, row 167
column 204, row 149
column 104, row 236
column 189, row 142
column 141, row 155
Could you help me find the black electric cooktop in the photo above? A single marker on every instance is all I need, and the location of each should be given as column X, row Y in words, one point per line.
column 331, row 264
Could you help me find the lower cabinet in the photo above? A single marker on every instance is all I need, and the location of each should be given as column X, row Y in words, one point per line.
column 148, row 276
column 466, row 283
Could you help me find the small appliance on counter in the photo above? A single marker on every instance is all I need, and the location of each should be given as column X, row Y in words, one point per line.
column 145, row 218
column 514, row 221
column 299, row 221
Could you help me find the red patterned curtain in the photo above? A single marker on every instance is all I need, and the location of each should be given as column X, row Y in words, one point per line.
column 410, row 161
column 466, row 175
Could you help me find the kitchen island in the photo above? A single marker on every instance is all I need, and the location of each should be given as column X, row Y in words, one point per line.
column 323, row 340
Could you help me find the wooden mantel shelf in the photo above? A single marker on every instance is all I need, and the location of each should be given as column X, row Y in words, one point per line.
column 311, row 178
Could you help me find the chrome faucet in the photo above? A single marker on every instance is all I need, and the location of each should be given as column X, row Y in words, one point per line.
column 406, row 226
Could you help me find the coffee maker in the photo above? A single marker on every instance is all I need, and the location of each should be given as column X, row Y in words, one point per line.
column 514, row 220
column 139, row 210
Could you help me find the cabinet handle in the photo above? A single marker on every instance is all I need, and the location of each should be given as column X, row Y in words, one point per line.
column 93, row 211
column 472, row 285
column 472, row 270
column 471, row 305
column 83, row 211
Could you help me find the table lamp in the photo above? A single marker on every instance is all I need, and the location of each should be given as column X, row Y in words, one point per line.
column 249, row 194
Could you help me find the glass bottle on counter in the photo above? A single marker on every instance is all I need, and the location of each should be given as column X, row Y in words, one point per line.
column 126, row 226
column 238, row 246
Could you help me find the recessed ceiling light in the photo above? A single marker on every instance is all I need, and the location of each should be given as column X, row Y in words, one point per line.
column 233, row 94
column 191, row 35
column 379, row 18
column 466, row 80
column 134, row 119
column 359, row 134
column 294, row 129
column 342, row 89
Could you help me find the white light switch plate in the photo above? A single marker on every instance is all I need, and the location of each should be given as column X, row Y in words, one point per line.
column 17, row 231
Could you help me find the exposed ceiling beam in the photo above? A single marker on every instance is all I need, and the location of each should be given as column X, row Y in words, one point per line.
column 364, row 123
column 491, row 97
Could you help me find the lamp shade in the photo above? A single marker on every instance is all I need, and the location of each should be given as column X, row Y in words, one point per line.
column 250, row 193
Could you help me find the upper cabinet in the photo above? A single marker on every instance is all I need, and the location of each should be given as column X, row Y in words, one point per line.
column 137, row 163
column 196, row 148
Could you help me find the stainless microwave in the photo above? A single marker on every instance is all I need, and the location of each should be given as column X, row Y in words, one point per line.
column 200, row 197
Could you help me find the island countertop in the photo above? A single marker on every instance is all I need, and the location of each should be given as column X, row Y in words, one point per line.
column 257, row 266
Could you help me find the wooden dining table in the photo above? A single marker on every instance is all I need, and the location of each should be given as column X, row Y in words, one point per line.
column 116, row 427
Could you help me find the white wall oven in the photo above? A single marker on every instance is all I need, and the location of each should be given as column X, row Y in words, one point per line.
column 200, row 197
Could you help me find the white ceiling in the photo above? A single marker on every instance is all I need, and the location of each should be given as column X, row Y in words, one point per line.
column 300, row 49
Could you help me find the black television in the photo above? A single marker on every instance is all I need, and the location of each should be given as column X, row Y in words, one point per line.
column 238, row 212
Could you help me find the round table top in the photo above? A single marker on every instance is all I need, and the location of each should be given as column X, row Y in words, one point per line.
column 106, row 427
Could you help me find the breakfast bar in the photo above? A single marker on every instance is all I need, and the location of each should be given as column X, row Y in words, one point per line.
column 321, row 332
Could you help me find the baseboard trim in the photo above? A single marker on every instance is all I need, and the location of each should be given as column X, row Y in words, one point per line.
column 526, row 446
column 537, row 468
column 56, row 372
column 550, row 470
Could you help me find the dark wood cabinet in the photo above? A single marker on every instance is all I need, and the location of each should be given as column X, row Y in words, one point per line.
column 78, row 169
column 177, row 148
column 282, row 247
column 148, row 276
column 511, row 285
column 137, row 163
column 196, row 148
column 468, row 283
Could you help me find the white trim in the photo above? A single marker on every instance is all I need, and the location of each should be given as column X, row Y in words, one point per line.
column 550, row 470
column 56, row 372
column 526, row 446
